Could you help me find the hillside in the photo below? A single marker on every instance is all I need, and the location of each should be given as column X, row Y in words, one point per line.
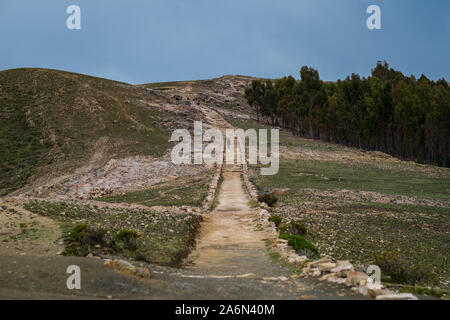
column 54, row 121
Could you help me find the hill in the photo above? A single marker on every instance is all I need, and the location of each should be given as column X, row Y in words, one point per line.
column 54, row 121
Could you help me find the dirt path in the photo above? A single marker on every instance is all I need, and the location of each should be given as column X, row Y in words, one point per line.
column 229, row 242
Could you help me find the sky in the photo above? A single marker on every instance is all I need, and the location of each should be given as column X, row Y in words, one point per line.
column 142, row 41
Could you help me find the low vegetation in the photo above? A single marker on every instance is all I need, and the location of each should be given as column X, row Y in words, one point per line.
column 294, row 233
column 157, row 237
column 269, row 198
column 355, row 204
column 301, row 245
column 191, row 193
column 398, row 269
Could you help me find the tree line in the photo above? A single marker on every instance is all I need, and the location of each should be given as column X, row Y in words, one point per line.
column 405, row 117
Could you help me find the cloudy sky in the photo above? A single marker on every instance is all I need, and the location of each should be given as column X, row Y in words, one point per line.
column 139, row 41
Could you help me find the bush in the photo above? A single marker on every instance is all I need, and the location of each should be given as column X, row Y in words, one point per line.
column 301, row 245
column 399, row 270
column 297, row 228
column 268, row 198
column 82, row 239
column 275, row 219
column 126, row 239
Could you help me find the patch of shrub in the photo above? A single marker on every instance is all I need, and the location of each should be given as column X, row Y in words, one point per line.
column 82, row 239
column 253, row 203
column 301, row 245
column 399, row 270
column 269, row 198
column 275, row 219
column 297, row 228
column 126, row 239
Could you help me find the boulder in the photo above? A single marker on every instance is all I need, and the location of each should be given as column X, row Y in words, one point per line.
column 354, row 278
column 342, row 268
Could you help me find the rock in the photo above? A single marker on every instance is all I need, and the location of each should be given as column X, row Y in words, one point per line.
column 326, row 266
column 374, row 286
column 342, row 268
column 115, row 121
column 316, row 273
column 362, row 290
column 326, row 277
column 246, row 276
column 270, row 278
column 354, row 277
column 335, row 279
column 264, row 205
column 296, row 259
column 124, row 265
column 373, row 293
column 322, row 260
column 397, row 296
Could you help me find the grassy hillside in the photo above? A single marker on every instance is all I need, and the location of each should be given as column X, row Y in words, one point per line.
column 54, row 119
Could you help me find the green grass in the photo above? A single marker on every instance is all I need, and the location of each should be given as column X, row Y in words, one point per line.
column 334, row 175
column 192, row 193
